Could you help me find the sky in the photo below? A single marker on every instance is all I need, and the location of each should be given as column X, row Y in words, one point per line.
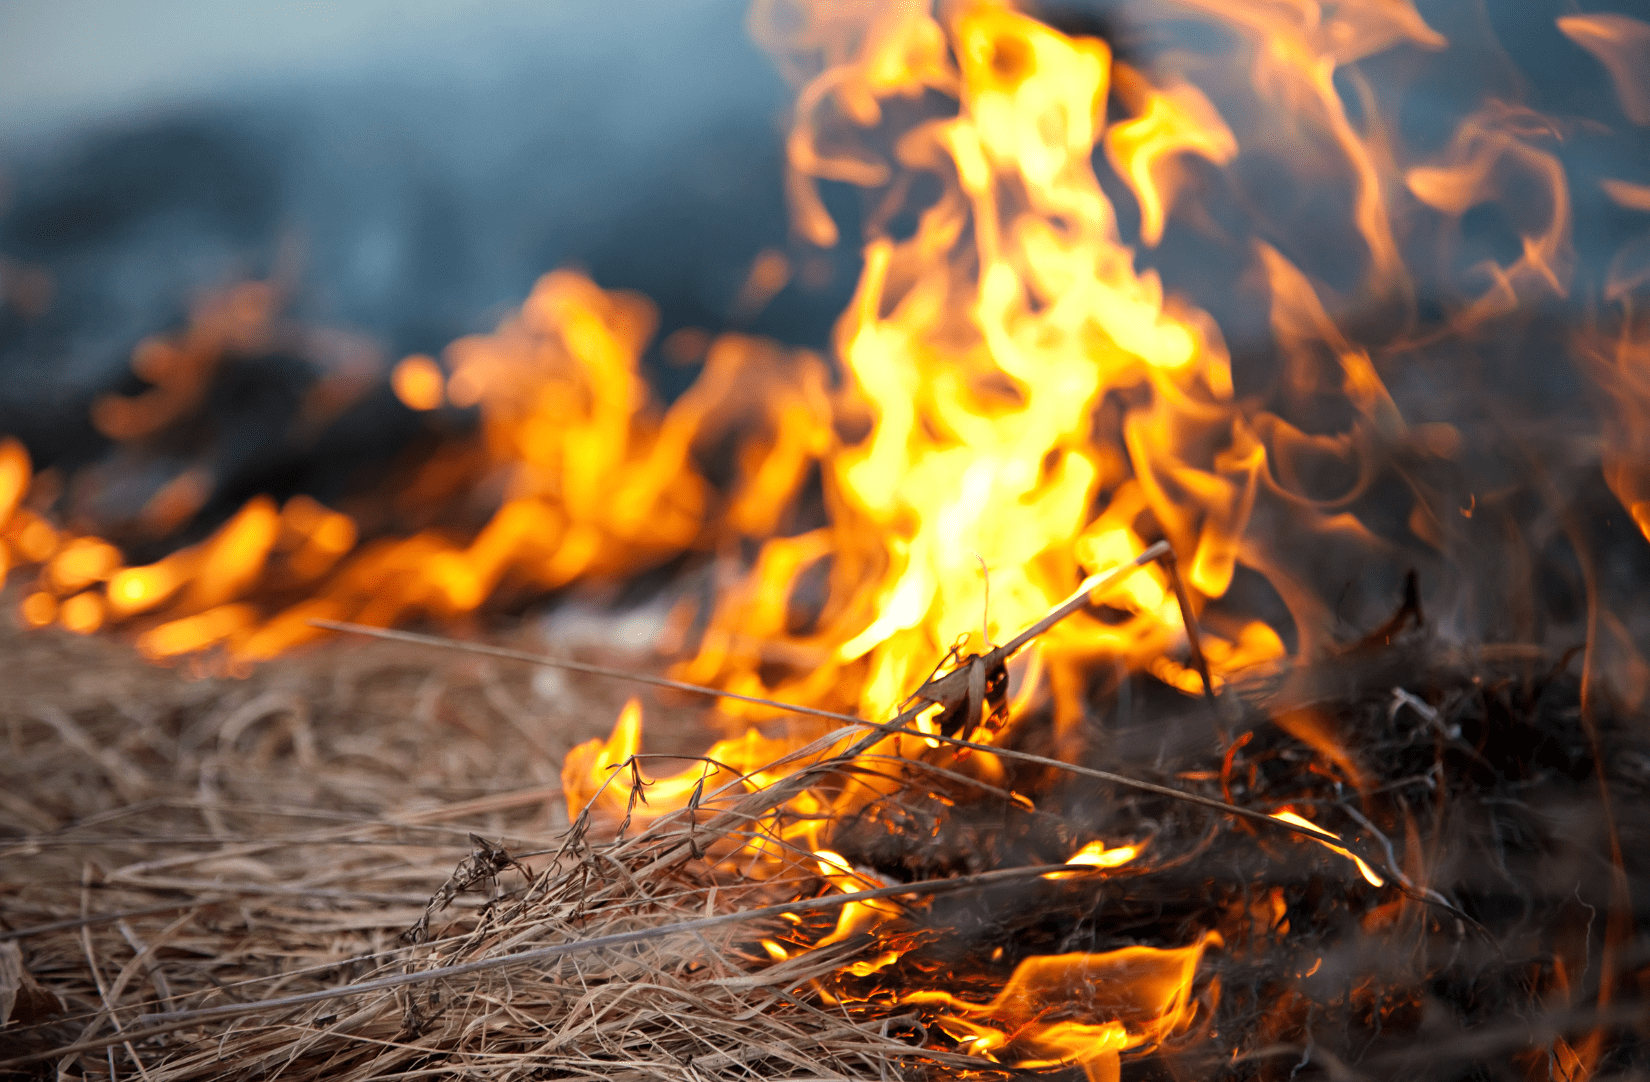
column 66, row 63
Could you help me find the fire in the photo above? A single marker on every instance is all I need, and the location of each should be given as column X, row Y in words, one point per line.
column 856, row 918
column 979, row 363
column 980, row 348
column 596, row 778
column 1082, row 1009
column 1622, row 45
column 1328, row 841
column 1096, row 854
column 1022, row 406
column 968, row 484
column 418, row 383
column 595, row 480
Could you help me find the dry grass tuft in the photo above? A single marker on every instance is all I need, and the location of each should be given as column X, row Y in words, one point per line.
column 188, row 855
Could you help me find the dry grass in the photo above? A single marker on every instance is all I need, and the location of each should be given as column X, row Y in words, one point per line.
column 183, row 846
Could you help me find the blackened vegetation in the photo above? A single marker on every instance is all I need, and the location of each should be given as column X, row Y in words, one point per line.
column 1471, row 787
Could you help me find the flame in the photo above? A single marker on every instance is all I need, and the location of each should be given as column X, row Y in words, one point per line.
column 1022, row 406
column 418, row 383
column 604, row 778
column 978, row 353
column 969, row 483
column 979, row 349
column 14, row 476
column 1098, row 855
column 1328, row 842
column 1622, row 44
column 1081, row 1009
column 595, row 480
column 1174, row 120
column 856, row 918
column 1016, row 392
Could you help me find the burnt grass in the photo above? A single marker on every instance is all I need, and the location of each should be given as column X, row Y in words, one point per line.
column 1510, row 950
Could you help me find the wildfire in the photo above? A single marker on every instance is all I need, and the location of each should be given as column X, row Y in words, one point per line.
column 1021, row 407
column 594, row 481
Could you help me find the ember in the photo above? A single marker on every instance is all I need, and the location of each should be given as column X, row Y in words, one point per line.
column 1141, row 641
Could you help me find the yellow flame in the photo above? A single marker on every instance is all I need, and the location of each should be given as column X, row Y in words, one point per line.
column 1328, row 840
column 1098, row 855
column 80, row 563
column 978, row 350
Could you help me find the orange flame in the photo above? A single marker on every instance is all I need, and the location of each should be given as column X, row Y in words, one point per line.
column 1622, row 44
column 1327, row 841
column 597, row 778
column 982, row 354
column 595, row 481
column 1082, row 1009
column 979, row 349
column 418, row 383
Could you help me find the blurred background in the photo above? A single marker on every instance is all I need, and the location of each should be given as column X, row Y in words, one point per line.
column 405, row 170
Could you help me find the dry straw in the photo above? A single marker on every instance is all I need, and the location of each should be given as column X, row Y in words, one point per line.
column 207, row 866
